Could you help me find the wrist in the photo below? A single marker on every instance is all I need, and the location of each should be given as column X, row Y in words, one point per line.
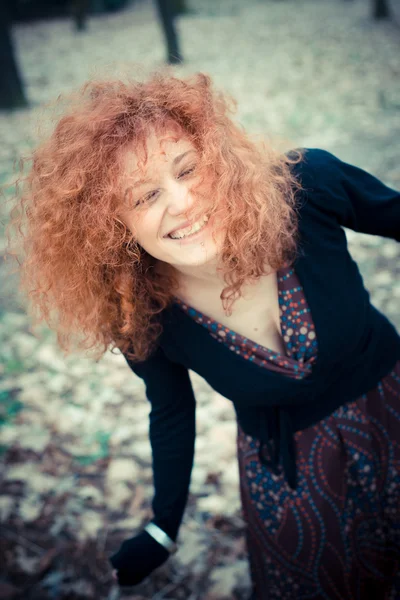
column 161, row 537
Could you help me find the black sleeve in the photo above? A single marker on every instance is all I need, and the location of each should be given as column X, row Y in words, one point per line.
column 357, row 199
column 172, row 436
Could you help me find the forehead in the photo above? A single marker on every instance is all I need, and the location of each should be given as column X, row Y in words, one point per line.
column 155, row 150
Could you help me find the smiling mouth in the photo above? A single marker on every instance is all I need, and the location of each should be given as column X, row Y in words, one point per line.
column 200, row 228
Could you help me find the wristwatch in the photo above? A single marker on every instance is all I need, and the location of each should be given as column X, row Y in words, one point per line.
column 161, row 537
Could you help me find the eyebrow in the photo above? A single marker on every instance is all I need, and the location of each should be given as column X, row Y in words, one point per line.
column 175, row 162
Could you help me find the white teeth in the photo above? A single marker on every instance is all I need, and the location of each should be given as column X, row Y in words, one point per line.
column 181, row 233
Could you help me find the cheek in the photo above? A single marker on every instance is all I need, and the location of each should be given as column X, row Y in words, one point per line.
column 147, row 231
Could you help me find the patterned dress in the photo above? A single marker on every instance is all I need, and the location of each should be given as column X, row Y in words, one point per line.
column 337, row 535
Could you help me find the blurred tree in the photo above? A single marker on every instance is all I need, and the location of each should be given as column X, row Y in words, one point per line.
column 381, row 9
column 11, row 88
column 179, row 7
column 166, row 13
column 79, row 11
column 31, row 10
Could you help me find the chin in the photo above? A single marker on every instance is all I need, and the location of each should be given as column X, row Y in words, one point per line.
column 190, row 255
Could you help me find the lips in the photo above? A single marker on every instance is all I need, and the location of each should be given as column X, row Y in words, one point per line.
column 183, row 226
column 179, row 227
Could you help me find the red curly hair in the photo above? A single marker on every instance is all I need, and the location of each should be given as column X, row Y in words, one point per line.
column 83, row 271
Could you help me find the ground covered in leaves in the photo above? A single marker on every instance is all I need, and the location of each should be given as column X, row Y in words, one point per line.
column 76, row 473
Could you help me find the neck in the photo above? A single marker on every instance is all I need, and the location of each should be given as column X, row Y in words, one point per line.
column 205, row 276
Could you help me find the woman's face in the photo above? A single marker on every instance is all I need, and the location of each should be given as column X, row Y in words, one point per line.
column 159, row 196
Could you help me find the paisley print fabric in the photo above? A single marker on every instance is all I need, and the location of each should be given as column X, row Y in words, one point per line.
column 337, row 535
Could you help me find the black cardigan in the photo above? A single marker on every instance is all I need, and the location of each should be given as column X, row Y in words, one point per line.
column 357, row 345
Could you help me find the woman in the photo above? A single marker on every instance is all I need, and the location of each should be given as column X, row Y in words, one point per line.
column 157, row 226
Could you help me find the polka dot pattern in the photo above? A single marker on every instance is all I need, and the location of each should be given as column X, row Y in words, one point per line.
column 337, row 535
column 297, row 328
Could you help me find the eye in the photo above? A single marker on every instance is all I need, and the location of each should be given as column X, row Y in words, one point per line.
column 187, row 171
column 150, row 196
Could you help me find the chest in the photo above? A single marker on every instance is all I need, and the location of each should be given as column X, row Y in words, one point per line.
column 336, row 298
column 255, row 315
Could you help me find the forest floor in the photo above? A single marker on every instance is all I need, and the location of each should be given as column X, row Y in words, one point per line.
column 76, row 473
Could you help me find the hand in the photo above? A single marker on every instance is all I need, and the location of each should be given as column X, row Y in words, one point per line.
column 137, row 558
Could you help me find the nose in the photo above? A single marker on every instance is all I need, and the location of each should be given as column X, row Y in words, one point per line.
column 180, row 199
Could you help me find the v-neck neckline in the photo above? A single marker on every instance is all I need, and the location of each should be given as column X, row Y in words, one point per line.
column 215, row 347
column 243, row 337
column 274, row 353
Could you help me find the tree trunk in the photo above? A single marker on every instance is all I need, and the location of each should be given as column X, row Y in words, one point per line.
column 166, row 15
column 179, row 7
column 381, row 9
column 79, row 11
column 11, row 89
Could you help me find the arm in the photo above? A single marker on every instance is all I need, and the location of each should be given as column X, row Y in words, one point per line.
column 358, row 200
column 172, row 436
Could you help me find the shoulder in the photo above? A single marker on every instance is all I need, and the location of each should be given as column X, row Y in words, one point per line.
column 318, row 171
column 325, row 182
